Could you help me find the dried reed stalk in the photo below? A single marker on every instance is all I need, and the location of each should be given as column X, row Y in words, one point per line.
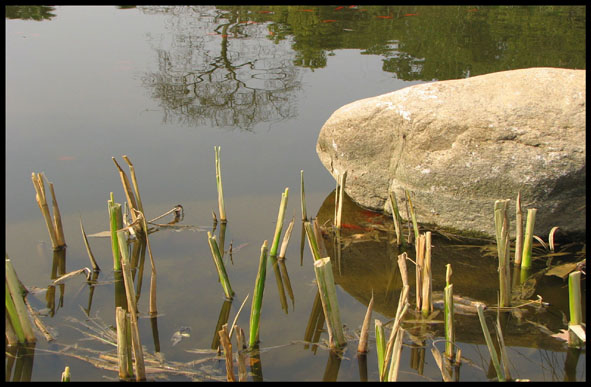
column 362, row 347
column 340, row 192
column 518, row 230
column 95, row 265
column 427, row 298
column 449, row 314
column 396, row 218
column 135, row 185
column 400, row 312
column 227, row 346
column 286, row 239
column 218, row 178
column 122, row 353
column 140, row 370
column 127, row 189
column 42, row 202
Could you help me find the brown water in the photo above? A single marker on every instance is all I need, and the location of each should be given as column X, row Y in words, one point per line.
column 164, row 86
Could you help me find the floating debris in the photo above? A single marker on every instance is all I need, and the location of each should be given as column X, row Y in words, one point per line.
column 179, row 335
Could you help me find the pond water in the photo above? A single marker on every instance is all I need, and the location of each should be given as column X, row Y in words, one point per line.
column 164, row 86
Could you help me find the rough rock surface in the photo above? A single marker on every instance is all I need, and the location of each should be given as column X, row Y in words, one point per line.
column 459, row 145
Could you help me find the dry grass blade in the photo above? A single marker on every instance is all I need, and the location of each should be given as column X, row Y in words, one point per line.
column 95, row 265
column 127, row 189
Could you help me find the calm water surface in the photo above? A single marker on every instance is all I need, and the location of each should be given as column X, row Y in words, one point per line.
column 164, row 85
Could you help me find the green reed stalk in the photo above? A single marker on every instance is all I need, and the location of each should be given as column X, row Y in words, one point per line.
column 219, row 264
column 328, row 296
column 502, row 235
column 257, row 299
column 66, row 374
column 380, row 344
column 489, row 343
column 412, row 215
column 518, row 230
column 528, row 239
column 312, row 242
column 115, row 223
column 574, row 298
column 449, row 314
column 303, row 197
column 13, row 317
column 574, row 306
column 279, row 225
column 218, row 178
column 14, row 291
column 57, row 218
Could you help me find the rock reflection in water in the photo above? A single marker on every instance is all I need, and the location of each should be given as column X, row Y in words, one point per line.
column 368, row 262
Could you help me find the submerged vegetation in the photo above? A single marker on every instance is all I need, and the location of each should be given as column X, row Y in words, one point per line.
column 129, row 235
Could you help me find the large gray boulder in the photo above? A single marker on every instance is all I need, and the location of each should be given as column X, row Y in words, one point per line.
column 459, row 145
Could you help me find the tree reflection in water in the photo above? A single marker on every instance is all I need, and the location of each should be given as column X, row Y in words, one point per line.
column 220, row 69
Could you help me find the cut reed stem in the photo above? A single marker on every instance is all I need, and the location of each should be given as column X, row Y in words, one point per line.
column 227, row 346
column 219, row 264
column 42, row 202
column 140, row 370
column 131, row 203
column 518, row 230
column 122, row 354
column 328, row 296
column 257, row 299
column 286, row 239
column 312, row 241
column 502, row 235
column 303, row 197
column 115, row 223
column 449, row 315
column 427, row 298
column 218, row 178
column 135, row 185
column 279, row 225
column 528, row 238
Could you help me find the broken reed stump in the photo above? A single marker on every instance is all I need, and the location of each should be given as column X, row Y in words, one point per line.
column 328, row 296
column 55, row 228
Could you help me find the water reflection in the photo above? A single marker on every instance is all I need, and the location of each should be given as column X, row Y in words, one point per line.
column 369, row 264
column 221, row 71
column 29, row 12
